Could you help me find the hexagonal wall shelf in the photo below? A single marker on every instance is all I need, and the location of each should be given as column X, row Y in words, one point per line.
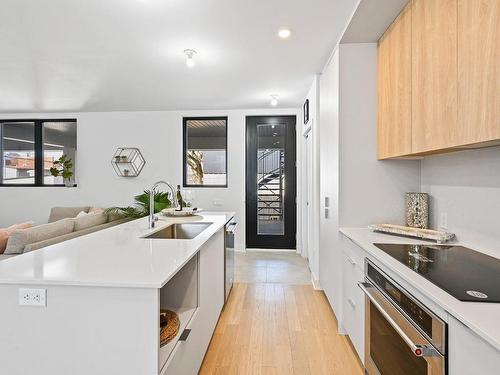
column 128, row 162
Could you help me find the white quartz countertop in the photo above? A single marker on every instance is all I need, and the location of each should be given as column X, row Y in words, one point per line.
column 481, row 317
column 113, row 257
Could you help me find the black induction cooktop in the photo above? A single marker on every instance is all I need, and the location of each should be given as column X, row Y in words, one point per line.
column 464, row 273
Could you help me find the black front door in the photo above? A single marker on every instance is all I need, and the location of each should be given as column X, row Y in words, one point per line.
column 270, row 182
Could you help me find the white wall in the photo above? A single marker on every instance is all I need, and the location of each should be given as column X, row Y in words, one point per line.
column 361, row 189
column 371, row 191
column 466, row 186
column 310, row 183
column 159, row 137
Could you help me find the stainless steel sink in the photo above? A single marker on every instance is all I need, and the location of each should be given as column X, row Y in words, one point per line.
column 180, row 231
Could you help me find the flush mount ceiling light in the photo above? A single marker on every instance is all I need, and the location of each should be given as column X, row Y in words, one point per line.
column 284, row 33
column 190, row 57
column 274, row 100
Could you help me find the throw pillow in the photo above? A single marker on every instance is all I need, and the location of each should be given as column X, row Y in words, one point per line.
column 90, row 220
column 19, row 238
column 81, row 214
column 6, row 232
column 59, row 213
column 4, row 237
column 96, row 210
column 25, row 225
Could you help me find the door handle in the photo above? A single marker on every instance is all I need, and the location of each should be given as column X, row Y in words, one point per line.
column 184, row 335
column 417, row 349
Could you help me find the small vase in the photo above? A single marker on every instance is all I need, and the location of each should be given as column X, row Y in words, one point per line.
column 417, row 210
column 68, row 182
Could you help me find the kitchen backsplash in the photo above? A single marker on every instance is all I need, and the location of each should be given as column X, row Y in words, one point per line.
column 465, row 195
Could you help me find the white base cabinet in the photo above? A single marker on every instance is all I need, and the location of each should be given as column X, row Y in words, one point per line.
column 187, row 356
column 353, row 300
column 468, row 353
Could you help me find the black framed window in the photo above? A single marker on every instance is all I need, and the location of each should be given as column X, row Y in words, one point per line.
column 28, row 149
column 205, row 151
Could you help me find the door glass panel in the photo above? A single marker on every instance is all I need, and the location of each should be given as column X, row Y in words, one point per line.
column 18, row 152
column 271, row 179
column 389, row 352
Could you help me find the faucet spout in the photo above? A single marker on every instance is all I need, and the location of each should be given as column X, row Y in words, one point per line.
column 152, row 216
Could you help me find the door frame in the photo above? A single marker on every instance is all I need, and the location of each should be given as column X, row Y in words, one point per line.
column 289, row 239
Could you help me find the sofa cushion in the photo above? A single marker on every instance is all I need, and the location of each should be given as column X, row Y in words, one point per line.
column 112, row 216
column 19, row 238
column 70, row 236
column 96, row 210
column 81, row 214
column 5, row 233
column 58, row 213
column 89, row 220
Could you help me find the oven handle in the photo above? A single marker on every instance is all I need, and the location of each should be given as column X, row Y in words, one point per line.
column 418, row 350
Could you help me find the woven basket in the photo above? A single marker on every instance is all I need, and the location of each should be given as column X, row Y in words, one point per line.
column 169, row 330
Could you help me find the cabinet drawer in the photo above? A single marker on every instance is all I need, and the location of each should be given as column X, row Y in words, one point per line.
column 354, row 254
column 353, row 305
column 181, row 361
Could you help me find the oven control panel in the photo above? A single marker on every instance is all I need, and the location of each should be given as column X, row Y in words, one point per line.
column 402, row 300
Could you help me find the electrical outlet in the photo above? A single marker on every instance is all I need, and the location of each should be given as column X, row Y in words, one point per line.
column 217, row 202
column 32, row 297
column 443, row 221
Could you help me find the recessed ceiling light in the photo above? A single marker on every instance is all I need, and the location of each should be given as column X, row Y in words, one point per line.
column 190, row 57
column 274, row 100
column 284, row 33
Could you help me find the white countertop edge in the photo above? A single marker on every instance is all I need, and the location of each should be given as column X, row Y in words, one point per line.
column 424, row 286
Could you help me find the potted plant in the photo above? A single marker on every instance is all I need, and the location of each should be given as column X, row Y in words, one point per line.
column 63, row 167
column 141, row 207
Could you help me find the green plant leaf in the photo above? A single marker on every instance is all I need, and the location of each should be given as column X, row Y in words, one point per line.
column 141, row 207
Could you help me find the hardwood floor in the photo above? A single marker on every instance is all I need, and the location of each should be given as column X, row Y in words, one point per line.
column 278, row 329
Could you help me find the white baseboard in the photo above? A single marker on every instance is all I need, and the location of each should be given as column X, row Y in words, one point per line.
column 315, row 283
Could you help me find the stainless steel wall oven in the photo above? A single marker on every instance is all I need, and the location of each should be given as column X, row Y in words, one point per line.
column 402, row 336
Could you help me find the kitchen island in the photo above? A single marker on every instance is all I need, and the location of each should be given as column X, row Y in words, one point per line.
column 103, row 294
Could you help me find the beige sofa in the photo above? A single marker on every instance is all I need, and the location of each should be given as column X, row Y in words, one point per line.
column 63, row 225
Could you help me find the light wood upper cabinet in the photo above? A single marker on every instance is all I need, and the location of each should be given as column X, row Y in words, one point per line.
column 394, row 89
column 454, row 90
column 434, row 75
column 479, row 70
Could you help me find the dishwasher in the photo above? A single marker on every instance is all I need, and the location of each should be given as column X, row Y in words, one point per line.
column 229, row 259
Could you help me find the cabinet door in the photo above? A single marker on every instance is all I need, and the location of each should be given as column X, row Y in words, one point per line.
column 394, row 88
column 353, row 309
column 434, row 75
column 468, row 353
column 479, row 70
column 188, row 355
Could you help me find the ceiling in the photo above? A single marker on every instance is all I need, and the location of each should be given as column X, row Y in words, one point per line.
column 127, row 55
